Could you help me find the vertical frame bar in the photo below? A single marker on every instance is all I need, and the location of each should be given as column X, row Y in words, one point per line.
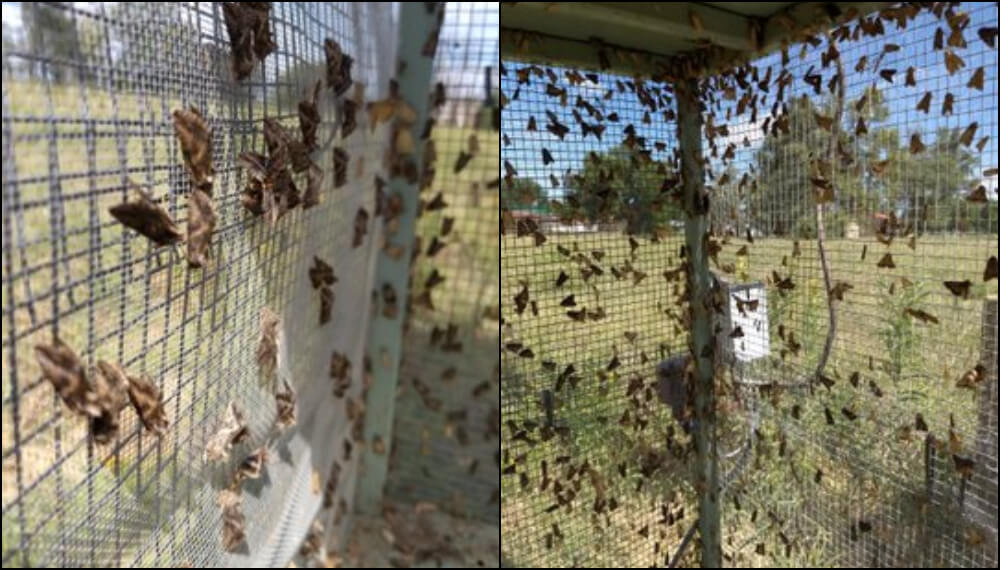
column 419, row 23
column 703, row 346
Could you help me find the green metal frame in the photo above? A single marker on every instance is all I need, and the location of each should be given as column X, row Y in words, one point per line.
column 703, row 348
column 385, row 334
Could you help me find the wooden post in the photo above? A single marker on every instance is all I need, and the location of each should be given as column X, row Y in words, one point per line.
column 418, row 23
column 703, row 345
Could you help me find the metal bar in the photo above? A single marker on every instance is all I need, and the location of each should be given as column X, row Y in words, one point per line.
column 418, row 23
column 702, row 346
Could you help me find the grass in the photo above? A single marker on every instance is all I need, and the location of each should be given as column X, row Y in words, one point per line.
column 866, row 466
column 117, row 299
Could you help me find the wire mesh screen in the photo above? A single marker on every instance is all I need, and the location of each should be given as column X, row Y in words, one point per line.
column 447, row 420
column 857, row 412
column 90, row 92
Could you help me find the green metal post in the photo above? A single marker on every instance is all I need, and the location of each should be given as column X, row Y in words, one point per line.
column 418, row 22
column 703, row 347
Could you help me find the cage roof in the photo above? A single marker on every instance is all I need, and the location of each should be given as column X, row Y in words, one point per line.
column 641, row 37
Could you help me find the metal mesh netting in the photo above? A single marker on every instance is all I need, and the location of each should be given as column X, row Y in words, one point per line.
column 88, row 93
column 888, row 456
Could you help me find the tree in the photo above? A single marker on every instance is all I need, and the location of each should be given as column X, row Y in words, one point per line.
column 52, row 36
column 524, row 194
column 874, row 172
column 622, row 184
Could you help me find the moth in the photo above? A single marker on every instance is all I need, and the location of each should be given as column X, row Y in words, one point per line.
column 285, row 402
column 389, row 302
column 338, row 67
column 111, row 395
column 348, row 117
column 922, row 315
column 283, row 148
column 252, row 466
column 331, row 485
column 314, row 183
column 233, row 524
column 436, row 203
column 990, row 272
column 200, row 225
column 321, row 273
column 959, row 288
column 325, row 305
column 435, row 246
column 147, row 217
column 267, row 346
column 887, row 262
column 340, row 367
column 195, row 138
column 313, row 541
column 250, row 38
column 963, row 465
column 309, row 118
column 462, row 160
column 360, row 227
column 231, row 431
column 148, row 403
column 340, row 161
column 434, row 279
column 63, row 369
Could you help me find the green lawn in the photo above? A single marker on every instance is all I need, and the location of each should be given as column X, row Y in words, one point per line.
column 865, row 464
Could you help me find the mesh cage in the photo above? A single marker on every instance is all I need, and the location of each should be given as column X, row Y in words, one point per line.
column 881, row 453
column 88, row 95
column 447, row 419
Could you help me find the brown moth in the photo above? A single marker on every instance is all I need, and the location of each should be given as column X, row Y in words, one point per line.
column 963, row 465
column 285, row 402
column 922, row 316
column 325, row 305
column 195, row 137
column 111, row 391
column 959, row 288
column 389, row 303
column 148, row 403
column 446, row 224
column 330, row 490
column 147, row 217
column 321, row 273
column 338, row 67
column 250, row 38
column 232, row 430
column 435, row 246
column 201, row 224
column 340, row 160
column 378, row 446
column 62, row 367
column 253, row 464
column 436, row 203
column 314, row 182
column 309, row 119
column 990, row 272
column 360, row 227
column 313, row 541
column 462, row 160
column 233, row 524
column 282, row 147
column 972, row 377
column 887, row 261
column 348, row 117
column 267, row 346
column 340, row 366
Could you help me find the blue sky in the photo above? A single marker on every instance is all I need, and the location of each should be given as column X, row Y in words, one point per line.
column 916, row 51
